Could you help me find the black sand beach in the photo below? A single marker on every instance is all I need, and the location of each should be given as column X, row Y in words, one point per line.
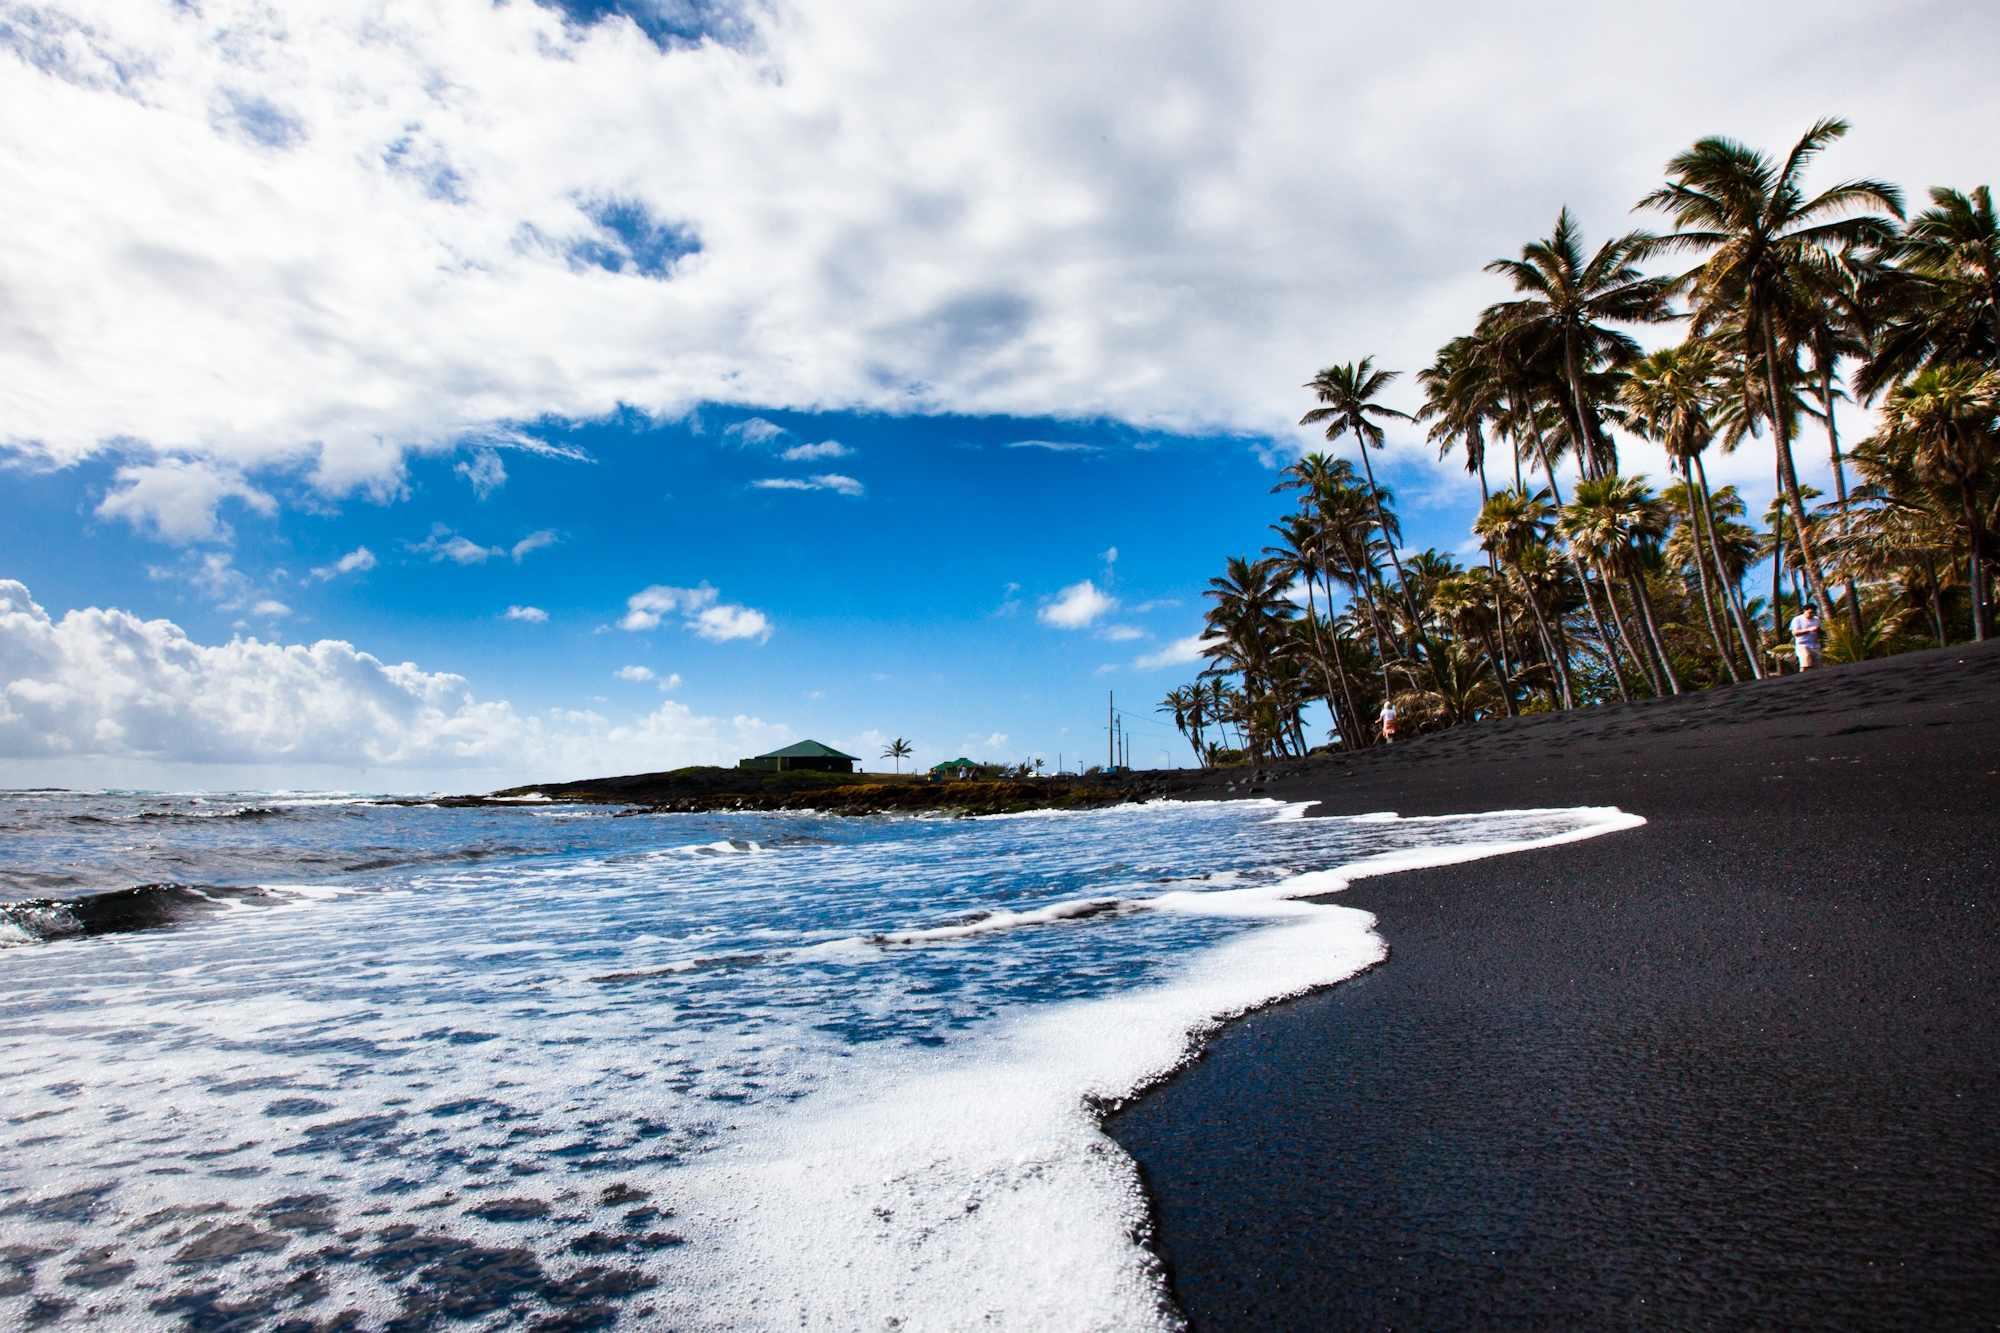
column 1740, row 1066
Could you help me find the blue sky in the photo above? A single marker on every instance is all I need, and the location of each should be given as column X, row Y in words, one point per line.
column 330, row 333
column 918, row 607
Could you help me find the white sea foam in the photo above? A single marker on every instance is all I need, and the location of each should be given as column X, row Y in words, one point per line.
column 849, row 1133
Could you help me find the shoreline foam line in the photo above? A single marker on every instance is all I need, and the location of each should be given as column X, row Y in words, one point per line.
column 975, row 1185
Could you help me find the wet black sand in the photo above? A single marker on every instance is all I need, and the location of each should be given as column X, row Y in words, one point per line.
column 1740, row 1066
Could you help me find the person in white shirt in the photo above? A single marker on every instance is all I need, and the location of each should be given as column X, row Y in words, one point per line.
column 1387, row 722
column 1805, row 637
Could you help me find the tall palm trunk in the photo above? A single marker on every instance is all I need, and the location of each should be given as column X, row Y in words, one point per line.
column 1403, row 580
column 1583, row 581
column 1696, row 503
column 1975, row 571
column 1840, row 494
column 1643, row 662
column 1503, row 668
column 1732, row 594
column 1319, row 642
column 1788, row 471
column 1650, row 623
column 1558, row 660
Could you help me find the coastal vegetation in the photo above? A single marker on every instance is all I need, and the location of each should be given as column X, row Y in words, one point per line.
column 1766, row 303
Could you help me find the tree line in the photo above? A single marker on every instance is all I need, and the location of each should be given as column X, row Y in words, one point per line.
column 1789, row 301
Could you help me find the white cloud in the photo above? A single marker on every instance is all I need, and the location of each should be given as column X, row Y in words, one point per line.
column 754, row 432
column 637, row 675
column 485, row 471
column 701, row 611
column 1121, row 633
column 444, row 544
column 178, row 499
column 1054, row 446
column 271, row 608
column 1155, row 604
column 214, row 575
column 824, row 481
column 1077, row 606
column 533, row 615
column 1181, row 652
column 812, row 453
column 468, row 213
column 534, row 541
column 105, row 684
column 1110, row 557
column 720, row 624
column 357, row 561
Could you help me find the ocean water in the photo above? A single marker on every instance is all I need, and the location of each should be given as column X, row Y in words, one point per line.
column 326, row 1063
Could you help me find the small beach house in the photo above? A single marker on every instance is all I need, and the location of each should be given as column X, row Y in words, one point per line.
column 804, row 754
column 954, row 768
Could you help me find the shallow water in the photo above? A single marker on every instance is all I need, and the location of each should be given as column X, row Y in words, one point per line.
column 344, row 1062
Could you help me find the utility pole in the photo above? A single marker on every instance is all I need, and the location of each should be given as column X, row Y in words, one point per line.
column 1110, row 729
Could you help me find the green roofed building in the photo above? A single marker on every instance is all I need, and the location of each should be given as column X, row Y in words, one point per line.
column 804, row 754
column 960, row 767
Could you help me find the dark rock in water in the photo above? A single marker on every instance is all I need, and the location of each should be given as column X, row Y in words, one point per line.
column 230, row 1241
column 622, row 1193
column 510, row 1210
column 97, row 1268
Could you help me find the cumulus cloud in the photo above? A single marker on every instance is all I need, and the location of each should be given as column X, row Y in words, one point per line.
column 813, row 453
column 1181, row 652
column 753, row 432
column 357, row 561
column 1077, row 607
column 824, row 481
column 534, row 541
column 411, row 229
column 533, row 615
column 637, row 675
column 700, row 609
column 179, row 499
column 444, row 544
column 100, row 684
column 271, row 608
column 485, row 471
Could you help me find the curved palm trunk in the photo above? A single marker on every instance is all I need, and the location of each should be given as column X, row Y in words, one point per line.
column 1326, row 676
column 1618, row 622
column 1788, row 471
column 1730, row 592
column 1975, row 537
column 1651, row 624
column 1696, row 503
column 1503, row 668
column 1583, row 581
column 1840, row 495
column 1561, row 693
column 1403, row 580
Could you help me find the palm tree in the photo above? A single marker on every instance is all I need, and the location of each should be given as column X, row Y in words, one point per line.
column 898, row 750
column 1185, row 703
column 1249, row 606
column 1939, row 297
column 1612, row 519
column 1509, row 524
column 1767, row 246
column 1462, row 397
column 1348, row 407
column 1946, row 421
column 1669, row 396
column 1561, row 320
column 1303, row 555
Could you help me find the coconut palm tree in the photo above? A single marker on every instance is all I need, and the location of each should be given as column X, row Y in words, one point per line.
column 1302, row 555
column 1668, row 397
column 898, row 750
column 1945, row 420
column 1510, row 523
column 1938, row 296
column 1612, row 519
column 1243, row 624
column 1766, row 246
column 1348, row 406
column 1563, row 316
column 1463, row 398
